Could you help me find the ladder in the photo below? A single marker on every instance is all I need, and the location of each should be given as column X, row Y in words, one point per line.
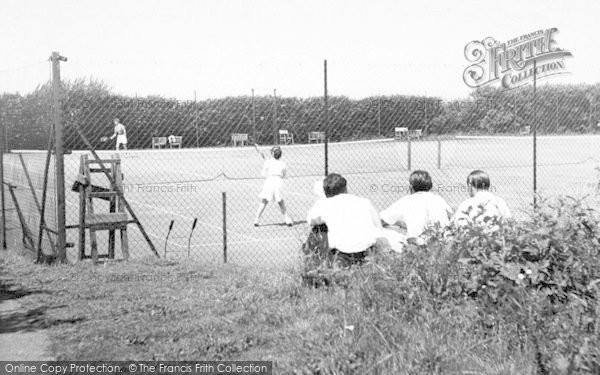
column 116, row 217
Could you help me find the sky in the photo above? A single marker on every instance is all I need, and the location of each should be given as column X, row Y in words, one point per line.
column 204, row 49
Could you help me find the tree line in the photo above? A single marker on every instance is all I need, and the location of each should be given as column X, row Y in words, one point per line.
column 91, row 106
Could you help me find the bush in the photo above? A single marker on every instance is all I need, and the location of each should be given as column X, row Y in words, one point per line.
column 525, row 292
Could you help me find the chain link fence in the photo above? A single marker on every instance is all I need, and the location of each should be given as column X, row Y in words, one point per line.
column 191, row 170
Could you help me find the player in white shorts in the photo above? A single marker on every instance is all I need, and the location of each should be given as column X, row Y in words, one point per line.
column 121, row 135
column 274, row 171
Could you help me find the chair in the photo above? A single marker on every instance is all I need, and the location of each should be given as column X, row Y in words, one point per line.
column 158, row 142
column 526, row 130
column 240, row 138
column 285, row 137
column 175, row 140
column 400, row 133
column 316, row 137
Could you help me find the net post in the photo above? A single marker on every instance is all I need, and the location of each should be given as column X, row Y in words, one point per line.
column 59, row 155
column 224, row 195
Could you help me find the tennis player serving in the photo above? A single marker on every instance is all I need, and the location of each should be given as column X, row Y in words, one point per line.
column 274, row 171
column 120, row 133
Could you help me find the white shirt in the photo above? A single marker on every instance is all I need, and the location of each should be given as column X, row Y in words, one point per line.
column 274, row 168
column 352, row 221
column 479, row 207
column 121, row 133
column 418, row 211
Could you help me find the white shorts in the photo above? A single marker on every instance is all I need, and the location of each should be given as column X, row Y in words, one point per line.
column 272, row 189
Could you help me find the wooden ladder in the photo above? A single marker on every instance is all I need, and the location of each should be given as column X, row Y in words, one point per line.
column 115, row 219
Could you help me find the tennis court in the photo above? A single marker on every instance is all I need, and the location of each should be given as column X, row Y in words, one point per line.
column 185, row 184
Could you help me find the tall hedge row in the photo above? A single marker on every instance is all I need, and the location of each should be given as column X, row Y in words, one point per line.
column 91, row 106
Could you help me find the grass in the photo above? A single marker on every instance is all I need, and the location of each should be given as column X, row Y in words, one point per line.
column 157, row 310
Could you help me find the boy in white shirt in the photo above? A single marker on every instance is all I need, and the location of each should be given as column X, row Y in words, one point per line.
column 482, row 206
column 353, row 224
column 419, row 210
column 274, row 171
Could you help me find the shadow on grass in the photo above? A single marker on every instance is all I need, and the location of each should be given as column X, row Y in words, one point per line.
column 14, row 318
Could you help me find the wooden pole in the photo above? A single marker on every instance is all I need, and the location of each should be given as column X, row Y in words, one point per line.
column 44, row 194
column 61, row 240
column 37, row 205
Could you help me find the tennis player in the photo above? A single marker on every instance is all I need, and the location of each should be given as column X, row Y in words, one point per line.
column 121, row 135
column 274, row 170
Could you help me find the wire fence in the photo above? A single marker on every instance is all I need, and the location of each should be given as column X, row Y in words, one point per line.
column 188, row 182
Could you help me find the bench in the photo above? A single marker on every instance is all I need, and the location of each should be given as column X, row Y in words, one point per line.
column 240, row 138
column 175, row 140
column 158, row 142
column 316, row 137
column 417, row 133
column 400, row 133
column 285, row 137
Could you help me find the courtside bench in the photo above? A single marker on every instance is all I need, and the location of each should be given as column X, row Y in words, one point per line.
column 159, row 142
column 239, row 138
column 316, row 137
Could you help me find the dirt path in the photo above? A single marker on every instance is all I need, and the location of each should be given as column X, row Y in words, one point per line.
column 19, row 338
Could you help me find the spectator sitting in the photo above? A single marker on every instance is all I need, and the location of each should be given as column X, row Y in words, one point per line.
column 419, row 210
column 482, row 206
column 353, row 224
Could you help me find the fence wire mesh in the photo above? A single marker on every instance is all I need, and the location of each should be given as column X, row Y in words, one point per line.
column 182, row 156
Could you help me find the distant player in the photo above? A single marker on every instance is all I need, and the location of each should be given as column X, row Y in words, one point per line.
column 274, row 170
column 121, row 135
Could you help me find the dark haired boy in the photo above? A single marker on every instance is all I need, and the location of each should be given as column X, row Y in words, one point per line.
column 353, row 225
column 419, row 210
column 482, row 206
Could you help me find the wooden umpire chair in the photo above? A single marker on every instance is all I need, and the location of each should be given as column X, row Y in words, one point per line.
column 115, row 219
column 285, row 137
column 239, row 138
column 316, row 137
column 159, row 142
column 175, row 140
column 400, row 133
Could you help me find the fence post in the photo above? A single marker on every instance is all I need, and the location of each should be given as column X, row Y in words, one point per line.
column 409, row 153
column 326, row 101
column 60, row 166
column 275, row 140
column 439, row 144
column 224, row 227
column 534, row 136
column 2, row 197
